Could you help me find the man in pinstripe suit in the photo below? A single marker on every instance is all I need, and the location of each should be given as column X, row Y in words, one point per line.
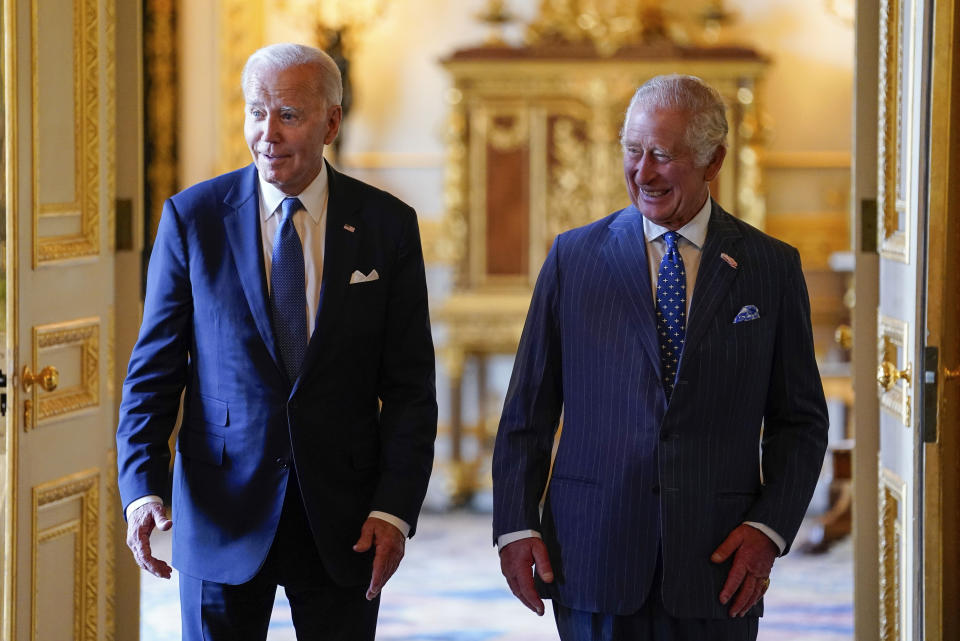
column 689, row 450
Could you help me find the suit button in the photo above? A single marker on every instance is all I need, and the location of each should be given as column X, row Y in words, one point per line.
column 655, row 489
column 666, row 436
column 292, row 405
column 282, row 463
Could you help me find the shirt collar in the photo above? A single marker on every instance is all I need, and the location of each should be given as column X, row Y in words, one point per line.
column 694, row 231
column 313, row 198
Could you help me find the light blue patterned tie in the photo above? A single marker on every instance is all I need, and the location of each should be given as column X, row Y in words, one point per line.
column 288, row 297
column 671, row 310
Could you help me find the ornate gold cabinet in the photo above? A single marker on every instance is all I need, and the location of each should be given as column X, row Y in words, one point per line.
column 533, row 150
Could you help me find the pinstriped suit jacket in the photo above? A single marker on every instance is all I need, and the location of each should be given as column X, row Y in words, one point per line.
column 631, row 470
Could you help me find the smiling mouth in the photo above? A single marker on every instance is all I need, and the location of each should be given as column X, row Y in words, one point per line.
column 654, row 193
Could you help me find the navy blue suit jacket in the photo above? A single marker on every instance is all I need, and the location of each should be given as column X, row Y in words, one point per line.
column 360, row 421
column 633, row 472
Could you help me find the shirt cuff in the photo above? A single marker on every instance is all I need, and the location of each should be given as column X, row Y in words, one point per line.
column 143, row 500
column 506, row 539
column 776, row 538
column 396, row 522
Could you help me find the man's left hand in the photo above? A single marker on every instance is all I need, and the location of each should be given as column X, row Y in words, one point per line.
column 389, row 543
column 749, row 576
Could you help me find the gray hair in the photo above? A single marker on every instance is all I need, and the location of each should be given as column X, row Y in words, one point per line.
column 282, row 56
column 707, row 129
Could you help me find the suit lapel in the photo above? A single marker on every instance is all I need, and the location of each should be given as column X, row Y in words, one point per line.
column 714, row 276
column 242, row 224
column 341, row 244
column 625, row 251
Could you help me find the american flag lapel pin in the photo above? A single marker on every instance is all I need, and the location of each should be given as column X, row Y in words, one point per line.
column 350, row 228
column 728, row 260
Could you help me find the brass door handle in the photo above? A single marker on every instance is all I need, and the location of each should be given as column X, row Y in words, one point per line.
column 888, row 375
column 48, row 378
column 951, row 374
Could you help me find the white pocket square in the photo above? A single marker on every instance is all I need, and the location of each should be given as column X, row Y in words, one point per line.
column 358, row 277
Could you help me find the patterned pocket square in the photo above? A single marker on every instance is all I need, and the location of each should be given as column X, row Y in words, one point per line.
column 747, row 313
column 358, row 277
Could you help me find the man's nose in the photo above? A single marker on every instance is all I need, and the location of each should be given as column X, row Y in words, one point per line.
column 271, row 129
column 643, row 170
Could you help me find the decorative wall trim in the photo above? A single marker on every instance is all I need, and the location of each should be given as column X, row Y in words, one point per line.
column 82, row 333
column 894, row 347
column 894, row 144
column 892, row 555
column 85, row 488
column 110, row 71
column 87, row 131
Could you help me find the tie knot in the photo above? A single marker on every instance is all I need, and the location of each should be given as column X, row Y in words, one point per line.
column 671, row 238
column 290, row 206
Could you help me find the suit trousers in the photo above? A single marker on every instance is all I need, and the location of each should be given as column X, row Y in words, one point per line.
column 321, row 609
column 651, row 622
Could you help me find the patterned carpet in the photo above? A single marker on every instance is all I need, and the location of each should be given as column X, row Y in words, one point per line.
column 449, row 588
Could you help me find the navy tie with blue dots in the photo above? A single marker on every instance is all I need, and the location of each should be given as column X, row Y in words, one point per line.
column 288, row 296
column 671, row 310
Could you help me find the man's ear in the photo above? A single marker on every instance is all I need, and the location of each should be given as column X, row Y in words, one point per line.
column 713, row 168
column 334, row 117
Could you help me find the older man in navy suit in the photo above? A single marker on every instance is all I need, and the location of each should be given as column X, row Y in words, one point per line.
column 675, row 342
column 287, row 303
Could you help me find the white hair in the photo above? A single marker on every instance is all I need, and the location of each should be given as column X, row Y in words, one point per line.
column 282, row 56
column 707, row 128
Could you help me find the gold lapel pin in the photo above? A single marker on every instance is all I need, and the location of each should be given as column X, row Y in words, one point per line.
column 350, row 228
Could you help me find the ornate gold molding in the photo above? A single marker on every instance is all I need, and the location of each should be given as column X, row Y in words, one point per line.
column 111, row 353
column 891, row 512
column 11, row 199
column 87, row 130
column 110, row 549
column 85, row 488
column 893, row 346
column 110, row 49
column 85, row 335
column 453, row 244
column 893, row 146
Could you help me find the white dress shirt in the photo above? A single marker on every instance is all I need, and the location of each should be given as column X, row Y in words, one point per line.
column 311, row 225
column 692, row 237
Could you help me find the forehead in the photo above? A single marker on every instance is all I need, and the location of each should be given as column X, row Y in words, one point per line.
column 294, row 85
column 658, row 125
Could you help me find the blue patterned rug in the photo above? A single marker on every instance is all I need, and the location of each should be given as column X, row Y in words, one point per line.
column 449, row 588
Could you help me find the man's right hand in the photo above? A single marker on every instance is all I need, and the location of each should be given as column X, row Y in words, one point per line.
column 139, row 526
column 516, row 559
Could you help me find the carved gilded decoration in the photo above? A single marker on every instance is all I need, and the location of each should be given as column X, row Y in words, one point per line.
column 83, row 334
column 110, row 548
column 566, row 114
column 453, row 240
column 893, row 347
column 85, row 206
column 83, row 487
column 241, row 33
column 160, row 102
column 110, row 52
column 894, row 142
column 892, row 542
column 111, row 349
